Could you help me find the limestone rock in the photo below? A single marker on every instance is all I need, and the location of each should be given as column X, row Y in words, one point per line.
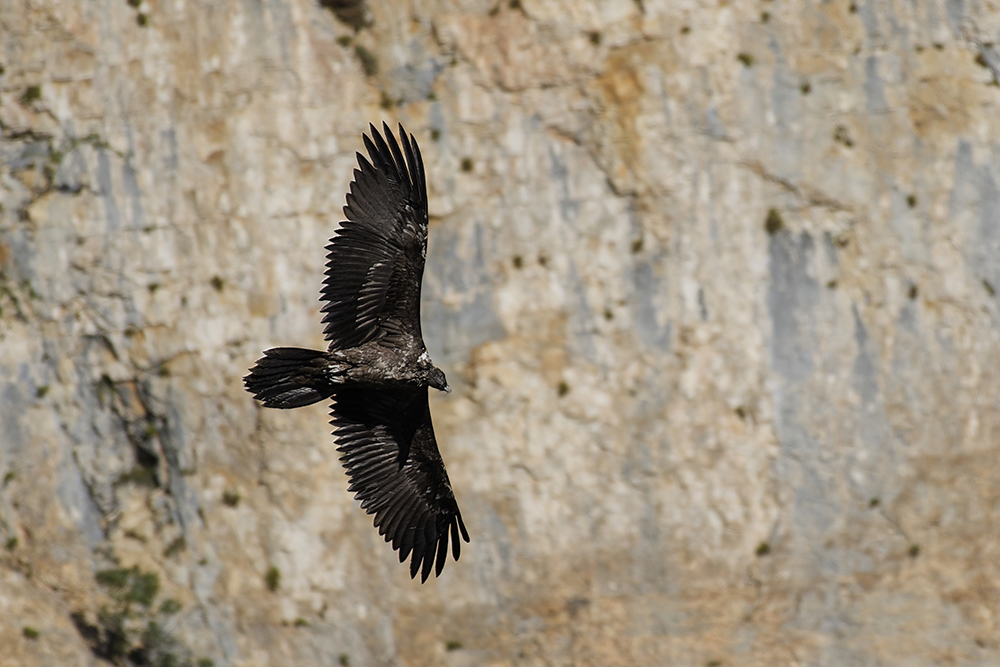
column 715, row 285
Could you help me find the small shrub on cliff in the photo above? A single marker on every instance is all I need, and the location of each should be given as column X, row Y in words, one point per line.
column 130, row 585
column 129, row 632
column 773, row 223
column 367, row 60
column 272, row 578
column 31, row 94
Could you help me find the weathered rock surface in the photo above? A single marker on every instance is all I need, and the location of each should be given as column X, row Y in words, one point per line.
column 716, row 286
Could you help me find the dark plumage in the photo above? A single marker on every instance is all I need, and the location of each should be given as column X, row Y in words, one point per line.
column 376, row 368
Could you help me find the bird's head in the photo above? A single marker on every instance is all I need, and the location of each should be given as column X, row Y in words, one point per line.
column 436, row 379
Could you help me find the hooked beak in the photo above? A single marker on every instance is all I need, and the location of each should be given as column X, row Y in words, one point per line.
column 447, row 389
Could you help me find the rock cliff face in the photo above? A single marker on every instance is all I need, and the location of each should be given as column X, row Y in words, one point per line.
column 715, row 284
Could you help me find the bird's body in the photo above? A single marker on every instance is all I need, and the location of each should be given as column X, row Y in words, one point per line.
column 376, row 368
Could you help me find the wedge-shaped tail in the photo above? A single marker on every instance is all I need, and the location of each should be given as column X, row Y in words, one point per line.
column 290, row 377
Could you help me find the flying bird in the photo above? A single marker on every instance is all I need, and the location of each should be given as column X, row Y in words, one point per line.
column 376, row 368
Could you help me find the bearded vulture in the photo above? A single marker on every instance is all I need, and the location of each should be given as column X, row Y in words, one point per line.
column 376, row 367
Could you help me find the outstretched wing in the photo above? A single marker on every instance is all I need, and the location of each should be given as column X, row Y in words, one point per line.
column 396, row 471
column 376, row 259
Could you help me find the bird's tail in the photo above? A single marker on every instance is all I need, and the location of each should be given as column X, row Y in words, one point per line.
column 289, row 377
